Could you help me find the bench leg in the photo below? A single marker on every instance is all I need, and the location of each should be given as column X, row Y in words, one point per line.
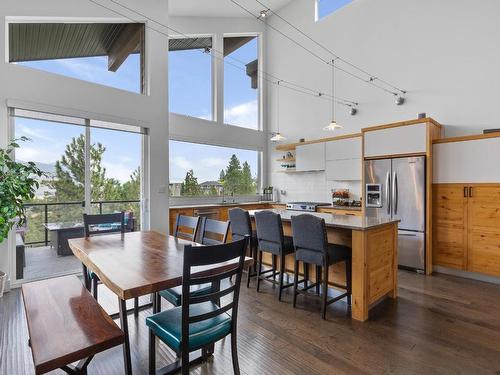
column 126, row 345
column 80, row 368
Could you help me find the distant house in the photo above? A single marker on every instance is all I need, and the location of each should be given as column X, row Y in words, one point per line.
column 175, row 189
column 208, row 186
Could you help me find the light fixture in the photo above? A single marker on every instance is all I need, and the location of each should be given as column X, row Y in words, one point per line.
column 277, row 137
column 399, row 100
column 353, row 111
column 263, row 13
column 332, row 126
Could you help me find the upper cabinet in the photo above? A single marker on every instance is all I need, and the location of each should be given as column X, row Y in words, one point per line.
column 396, row 140
column 348, row 148
column 343, row 159
column 310, row 157
column 466, row 159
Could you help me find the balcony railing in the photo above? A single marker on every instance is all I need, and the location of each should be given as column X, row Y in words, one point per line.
column 40, row 214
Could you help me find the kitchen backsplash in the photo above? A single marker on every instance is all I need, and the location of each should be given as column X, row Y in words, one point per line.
column 311, row 186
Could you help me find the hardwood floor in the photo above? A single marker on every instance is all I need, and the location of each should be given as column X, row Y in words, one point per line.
column 438, row 325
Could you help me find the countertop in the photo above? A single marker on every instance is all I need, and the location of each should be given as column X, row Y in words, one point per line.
column 347, row 208
column 202, row 205
column 338, row 221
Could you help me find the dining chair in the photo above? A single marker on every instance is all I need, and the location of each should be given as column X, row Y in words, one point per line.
column 311, row 246
column 200, row 322
column 241, row 226
column 209, row 229
column 95, row 225
column 271, row 240
column 191, row 223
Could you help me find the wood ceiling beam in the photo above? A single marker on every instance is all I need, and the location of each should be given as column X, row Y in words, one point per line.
column 126, row 43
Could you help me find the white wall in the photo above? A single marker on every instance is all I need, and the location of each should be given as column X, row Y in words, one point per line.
column 441, row 52
column 50, row 90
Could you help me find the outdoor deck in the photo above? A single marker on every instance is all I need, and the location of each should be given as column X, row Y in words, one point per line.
column 43, row 262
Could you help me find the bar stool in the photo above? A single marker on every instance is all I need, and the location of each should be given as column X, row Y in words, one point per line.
column 311, row 246
column 271, row 240
column 241, row 226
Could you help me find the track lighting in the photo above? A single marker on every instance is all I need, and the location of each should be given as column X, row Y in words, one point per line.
column 264, row 13
column 399, row 100
column 353, row 111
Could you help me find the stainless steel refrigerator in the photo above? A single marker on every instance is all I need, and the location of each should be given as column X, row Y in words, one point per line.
column 395, row 188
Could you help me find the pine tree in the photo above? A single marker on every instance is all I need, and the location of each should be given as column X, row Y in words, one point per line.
column 232, row 177
column 222, row 175
column 190, row 186
column 248, row 185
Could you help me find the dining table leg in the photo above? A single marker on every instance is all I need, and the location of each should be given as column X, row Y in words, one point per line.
column 126, row 345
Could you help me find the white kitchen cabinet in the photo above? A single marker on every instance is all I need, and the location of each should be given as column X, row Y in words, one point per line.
column 343, row 170
column 396, row 140
column 472, row 161
column 310, row 157
column 341, row 149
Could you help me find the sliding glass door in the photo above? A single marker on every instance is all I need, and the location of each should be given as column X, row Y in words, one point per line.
column 89, row 166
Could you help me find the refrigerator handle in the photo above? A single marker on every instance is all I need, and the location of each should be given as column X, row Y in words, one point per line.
column 387, row 192
column 395, row 193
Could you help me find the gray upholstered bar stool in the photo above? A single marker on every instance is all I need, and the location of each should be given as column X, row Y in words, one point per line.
column 311, row 246
column 241, row 226
column 271, row 240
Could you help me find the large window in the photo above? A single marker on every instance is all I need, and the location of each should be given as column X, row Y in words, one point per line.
column 327, row 7
column 90, row 166
column 241, row 87
column 190, row 77
column 105, row 53
column 204, row 170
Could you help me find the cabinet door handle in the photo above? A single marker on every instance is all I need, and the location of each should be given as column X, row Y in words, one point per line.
column 466, row 189
column 470, row 191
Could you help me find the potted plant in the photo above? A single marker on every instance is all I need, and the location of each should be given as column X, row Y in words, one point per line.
column 17, row 184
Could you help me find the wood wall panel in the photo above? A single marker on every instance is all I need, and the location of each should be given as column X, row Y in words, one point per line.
column 449, row 220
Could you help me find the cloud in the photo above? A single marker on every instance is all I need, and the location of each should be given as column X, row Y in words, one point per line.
column 118, row 171
column 213, row 162
column 82, row 69
column 32, row 133
column 242, row 114
column 182, row 163
column 38, row 155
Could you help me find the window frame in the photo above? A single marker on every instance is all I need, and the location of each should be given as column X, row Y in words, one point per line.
column 259, row 173
column 213, row 72
column 260, row 104
column 144, row 55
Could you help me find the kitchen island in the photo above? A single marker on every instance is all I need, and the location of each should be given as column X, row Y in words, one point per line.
column 374, row 243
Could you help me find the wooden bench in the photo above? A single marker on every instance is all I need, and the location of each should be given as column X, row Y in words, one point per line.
column 66, row 325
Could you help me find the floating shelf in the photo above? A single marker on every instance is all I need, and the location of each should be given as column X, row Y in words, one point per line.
column 289, row 170
column 286, row 160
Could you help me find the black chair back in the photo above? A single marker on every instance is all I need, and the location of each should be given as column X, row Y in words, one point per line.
column 192, row 223
column 269, row 230
column 309, row 233
column 104, row 223
column 241, row 225
column 206, row 256
column 214, row 232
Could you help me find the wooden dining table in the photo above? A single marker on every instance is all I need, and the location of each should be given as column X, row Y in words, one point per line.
column 137, row 264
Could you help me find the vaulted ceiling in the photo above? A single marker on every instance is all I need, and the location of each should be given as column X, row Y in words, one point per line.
column 219, row 8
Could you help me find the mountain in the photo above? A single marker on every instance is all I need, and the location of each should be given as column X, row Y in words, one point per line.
column 45, row 167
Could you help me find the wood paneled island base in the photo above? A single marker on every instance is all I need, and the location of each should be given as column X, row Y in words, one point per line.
column 374, row 244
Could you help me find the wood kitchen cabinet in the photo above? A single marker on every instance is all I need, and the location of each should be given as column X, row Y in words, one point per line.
column 449, row 218
column 310, row 157
column 466, row 221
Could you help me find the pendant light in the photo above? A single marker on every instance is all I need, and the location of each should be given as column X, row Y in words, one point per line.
column 332, row 126
column 277, row 137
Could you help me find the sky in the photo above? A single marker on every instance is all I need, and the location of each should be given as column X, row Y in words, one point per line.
column 190, row 94
column 326, row 7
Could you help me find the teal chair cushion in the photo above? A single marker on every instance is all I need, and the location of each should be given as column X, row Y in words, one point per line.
column 167, row 326
column 174, row 295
